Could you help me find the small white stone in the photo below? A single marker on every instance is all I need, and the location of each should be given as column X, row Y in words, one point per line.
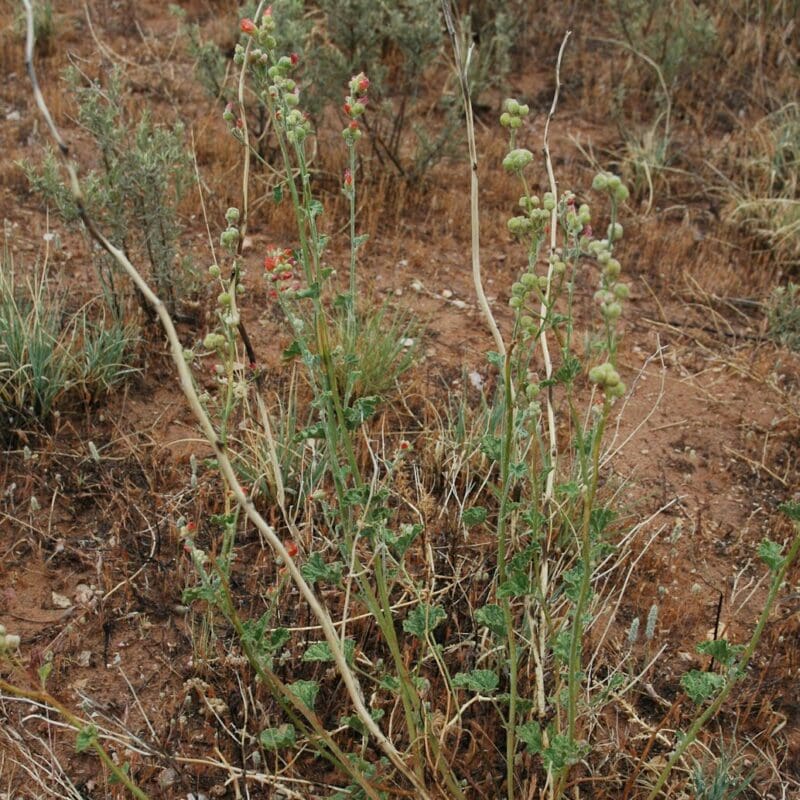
column 13, row 116
column 476, row 380
column 447, row 294
column 59, row 601
column 416, row 286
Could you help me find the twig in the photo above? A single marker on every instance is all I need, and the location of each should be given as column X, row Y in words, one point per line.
column 462, row 67
column 548, row 364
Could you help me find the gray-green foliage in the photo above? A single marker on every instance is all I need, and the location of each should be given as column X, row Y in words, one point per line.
column 784, row 315
column 677, row 35
column 49, row 357
column 133, row 193
column 719, row 781
column 400, row 46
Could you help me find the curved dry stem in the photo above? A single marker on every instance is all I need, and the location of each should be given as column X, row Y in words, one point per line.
column 462, row 65
column 219, row 447
column 548, row 364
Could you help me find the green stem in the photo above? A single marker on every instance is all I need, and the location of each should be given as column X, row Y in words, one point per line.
column 736, row 675
column 351, row 303
column 574, row 668
column 502, row 546
column 45, row 698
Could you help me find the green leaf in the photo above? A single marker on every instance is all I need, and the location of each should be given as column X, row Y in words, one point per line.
column 600, row 519
column 321, row 651
column 315, row 569
column 312, row 291
column 561, row 753
column 390, row 683
column 570, row 490
column 491, row 446
column 572, row 582
column 359, row 240
column 353, row 721
column 701, row 685
column 277, row 193
column 316, row 431
column 517, row 585
column 792, row 510
column 276, row 738
column 771, row 553
column 482, row 681
column 496, row 359
column 292, row 351
column 569, row 369
column 531, row 734
column 125, row 768
column 423, row 619
column 44, row 671
column 356, row 496
column 278, row 638
column 306, row 691
column 208, row 591
column 493, row 618
column 86, row 737
column 474, row 516
column 720, row 650
column 400, row 543
column 517, row 470
column 361, row 410
column 315, row 208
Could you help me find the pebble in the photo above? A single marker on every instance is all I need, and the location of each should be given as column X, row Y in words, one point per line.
column 167, row 778
column 447, row 294
column 13, row 116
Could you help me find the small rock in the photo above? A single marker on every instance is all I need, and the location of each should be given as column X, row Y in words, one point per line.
column 59, row 601
column 13, row 116
column 168, row 777
column 476, row 380
column 416, row 286
column 447, row 294
column 83, row 594
column 247, row 244
column 459, row 304
column 84, row 658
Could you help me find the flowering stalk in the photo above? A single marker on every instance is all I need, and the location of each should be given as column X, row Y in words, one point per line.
column 354, row 107
column 292, row 128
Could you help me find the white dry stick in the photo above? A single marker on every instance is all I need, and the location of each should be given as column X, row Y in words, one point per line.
column 220, row 450
column 544, row 573
column 548, row 364
column 462, row 66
